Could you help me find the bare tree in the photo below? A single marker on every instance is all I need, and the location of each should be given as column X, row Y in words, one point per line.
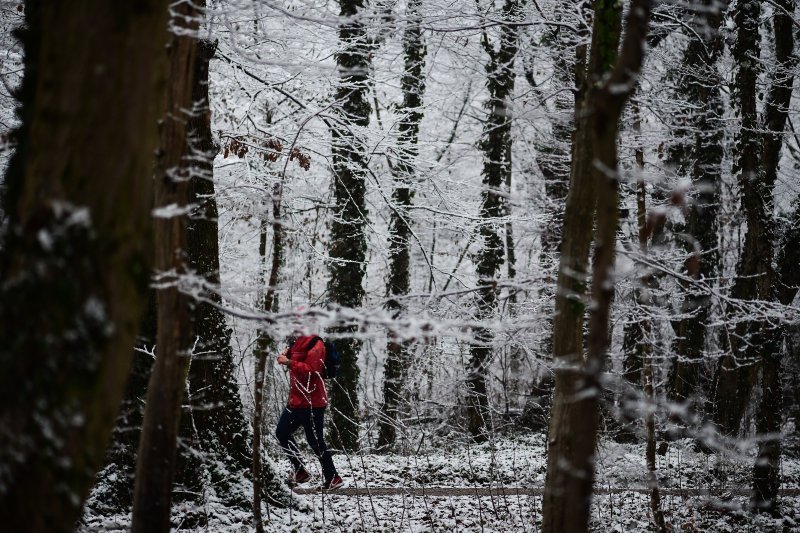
column 263, row 346
column 766, row 471
column 554, row 160
column 644, row 301
column 397, row 284
column 574, row 421
column 701, row 150
column 155, row 468
column 759, row 154
column 496, row 146
column 348, row 245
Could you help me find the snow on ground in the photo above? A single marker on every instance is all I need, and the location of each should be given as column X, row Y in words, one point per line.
column 511, row 462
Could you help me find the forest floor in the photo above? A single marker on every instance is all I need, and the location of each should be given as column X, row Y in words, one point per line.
column 498, row 487
column 450, row 485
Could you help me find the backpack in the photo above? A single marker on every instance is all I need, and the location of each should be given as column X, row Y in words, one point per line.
column 331, row 368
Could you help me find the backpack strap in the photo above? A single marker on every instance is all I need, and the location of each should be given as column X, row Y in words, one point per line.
column 313, row 342
column 310, row 344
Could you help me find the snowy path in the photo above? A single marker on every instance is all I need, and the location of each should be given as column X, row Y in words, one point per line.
column 521, row 491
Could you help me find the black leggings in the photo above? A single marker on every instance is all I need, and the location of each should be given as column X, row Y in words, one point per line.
column 313, row 422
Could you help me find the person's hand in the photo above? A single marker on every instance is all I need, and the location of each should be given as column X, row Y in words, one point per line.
column 283, row 360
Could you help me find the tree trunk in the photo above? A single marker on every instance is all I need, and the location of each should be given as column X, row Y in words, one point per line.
column 157, row 447
column 787, row 288
column 223, row 430
column 758, row 165
column 554, row 158
column 117, row 475
column 644, row 301
column 262, row 477
column 734, row 378
column 554, row 163
column 637, row 343
column 789, row 257
column 496, row 146
column 566, row 492
column 78, row 205
column 701, row 87
column 766, row 472
column 767, row 467
column 574, row 422
column 413, row 83
column 348, row 243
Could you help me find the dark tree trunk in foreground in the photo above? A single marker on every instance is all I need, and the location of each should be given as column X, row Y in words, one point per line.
column 347, row 242
column 700, row 84
column 750, row 344
column 496, row 146
column 413, row 84
column 215, row 435
column 574, row 422
column 157, row 446
column 78, row 201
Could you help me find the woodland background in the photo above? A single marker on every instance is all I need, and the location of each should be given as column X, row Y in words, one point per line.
column 541, row 226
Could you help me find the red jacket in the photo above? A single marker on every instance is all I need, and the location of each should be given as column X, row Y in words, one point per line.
column 306, row 386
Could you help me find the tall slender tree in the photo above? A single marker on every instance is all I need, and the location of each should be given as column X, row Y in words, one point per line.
column 554, row 163
column 76, row 245
column 645, row 330
column 574, row 421
column 759, row 156
column 565, row 493
column 155, row 467
column 347, row 241
column 700, row 84
column 766, row 471
column 397, row 283
column 220, row 427
column 496, row 146
column 264, row 344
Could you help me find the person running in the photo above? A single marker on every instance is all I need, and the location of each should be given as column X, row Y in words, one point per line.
column 308, row 398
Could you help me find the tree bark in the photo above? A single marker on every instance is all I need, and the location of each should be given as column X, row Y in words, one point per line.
column 155, row 468
column 637, row 343
column 117, row 475
column 78, row 206
column 348, row 244
column 566, row 494
column 574, row 422
column 397, row 352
